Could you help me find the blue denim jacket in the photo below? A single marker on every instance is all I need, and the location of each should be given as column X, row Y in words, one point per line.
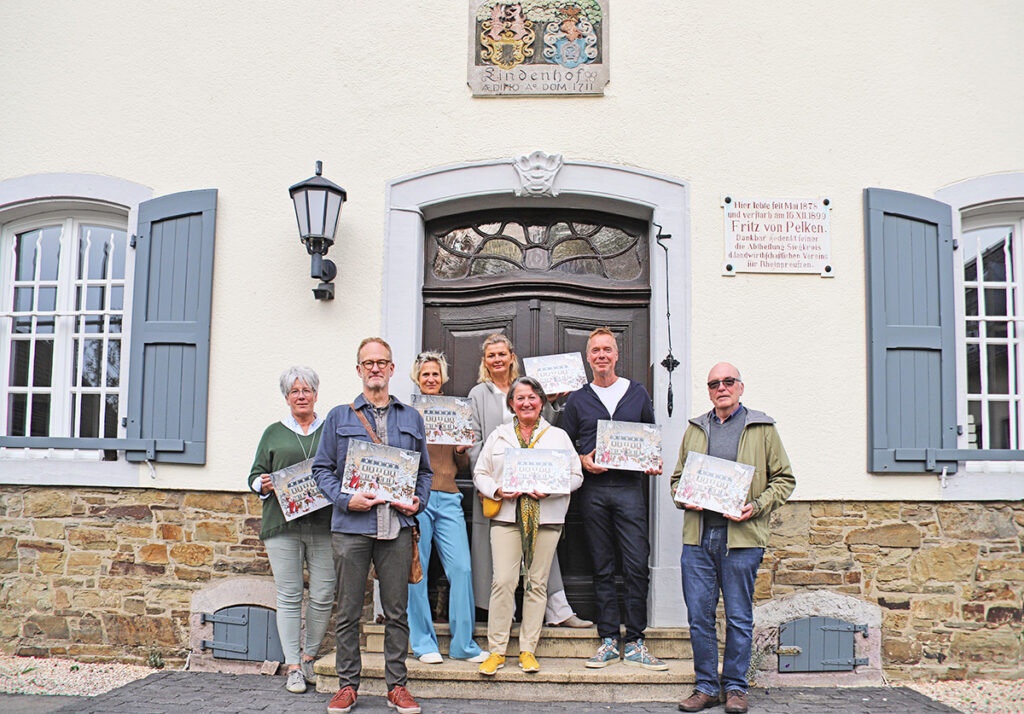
column 405, row 431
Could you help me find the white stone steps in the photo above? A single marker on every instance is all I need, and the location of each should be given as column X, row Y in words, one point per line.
column 560, row 679
column 663, row 642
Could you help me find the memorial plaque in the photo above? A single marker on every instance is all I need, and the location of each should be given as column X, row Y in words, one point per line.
column 538, row 47
column 777, row 235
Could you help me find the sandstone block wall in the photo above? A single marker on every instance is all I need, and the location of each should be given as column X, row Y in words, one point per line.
column 108, row 574
column 949, row 578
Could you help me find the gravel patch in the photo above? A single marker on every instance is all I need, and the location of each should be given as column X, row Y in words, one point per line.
column 34, row 675
column 977, row 696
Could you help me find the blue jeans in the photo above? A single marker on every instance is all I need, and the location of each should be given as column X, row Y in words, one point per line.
column 708, row 568
column 444, row 523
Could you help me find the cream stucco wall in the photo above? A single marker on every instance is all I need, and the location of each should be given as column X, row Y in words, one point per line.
column 796, row 99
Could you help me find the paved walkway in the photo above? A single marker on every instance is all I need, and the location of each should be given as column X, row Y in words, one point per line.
column 208, row 693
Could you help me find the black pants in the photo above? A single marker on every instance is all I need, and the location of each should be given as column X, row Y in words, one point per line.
column 617, row 516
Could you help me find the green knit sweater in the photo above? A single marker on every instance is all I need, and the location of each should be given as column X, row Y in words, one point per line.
column 279, row 447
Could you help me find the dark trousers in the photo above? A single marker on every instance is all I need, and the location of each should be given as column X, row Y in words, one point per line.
column 391, row 559
column 617, row 516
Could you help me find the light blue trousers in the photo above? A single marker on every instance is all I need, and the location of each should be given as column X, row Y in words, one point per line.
column 444, row 523
column 287, row 552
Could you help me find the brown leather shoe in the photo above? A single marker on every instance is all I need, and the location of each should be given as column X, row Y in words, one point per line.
column 698, row 701
column 735, row 702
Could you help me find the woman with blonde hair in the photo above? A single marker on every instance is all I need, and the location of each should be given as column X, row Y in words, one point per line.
column 499, row 368
column 443, row 522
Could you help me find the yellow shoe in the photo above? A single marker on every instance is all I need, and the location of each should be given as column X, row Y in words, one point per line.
column 492, row 664
column 528, row 663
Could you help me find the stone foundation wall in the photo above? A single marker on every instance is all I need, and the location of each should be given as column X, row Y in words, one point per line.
column 108, row 574
column 949, row 578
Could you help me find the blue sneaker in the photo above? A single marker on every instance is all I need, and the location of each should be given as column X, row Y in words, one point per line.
column 637, row 655
column 607, row 653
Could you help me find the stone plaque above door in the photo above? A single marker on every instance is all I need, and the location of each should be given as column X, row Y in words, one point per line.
column 538, row 47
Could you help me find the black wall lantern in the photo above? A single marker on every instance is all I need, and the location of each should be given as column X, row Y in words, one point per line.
column 317, row 207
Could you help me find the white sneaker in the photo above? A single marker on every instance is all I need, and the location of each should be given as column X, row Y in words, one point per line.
column 296, row 682
column 431, row 658
column 482, row 657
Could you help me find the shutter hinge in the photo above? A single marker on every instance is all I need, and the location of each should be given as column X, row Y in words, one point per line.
column 847, row 627
column 856, row 661
column 956, row 244
column 959, row 429
column 788, row 651
column 132, row 242
column 124, row 421
column 205, row 617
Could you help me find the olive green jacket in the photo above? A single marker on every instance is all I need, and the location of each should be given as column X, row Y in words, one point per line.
column 772, row 484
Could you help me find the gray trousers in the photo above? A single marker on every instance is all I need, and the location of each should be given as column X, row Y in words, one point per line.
column 353, row 554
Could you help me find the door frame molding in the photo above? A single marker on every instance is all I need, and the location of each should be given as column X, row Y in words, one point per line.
column 662, row 200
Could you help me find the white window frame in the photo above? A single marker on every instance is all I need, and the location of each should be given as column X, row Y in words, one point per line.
column 977, row 203
column 64, row 385
column 25, row 196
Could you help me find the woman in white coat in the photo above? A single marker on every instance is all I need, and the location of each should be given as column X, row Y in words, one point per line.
column 526, row 529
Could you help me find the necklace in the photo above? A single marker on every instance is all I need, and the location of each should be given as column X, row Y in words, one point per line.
column 306, row 452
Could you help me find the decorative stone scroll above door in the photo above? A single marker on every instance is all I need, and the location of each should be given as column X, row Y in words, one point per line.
column 538, row 47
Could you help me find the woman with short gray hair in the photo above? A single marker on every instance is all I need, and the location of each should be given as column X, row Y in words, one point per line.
column 306, row 539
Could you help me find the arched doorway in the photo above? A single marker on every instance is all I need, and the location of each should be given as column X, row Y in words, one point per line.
column 546, row 278
column 661, row 203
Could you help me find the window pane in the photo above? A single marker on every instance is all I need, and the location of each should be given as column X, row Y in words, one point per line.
column 92, row 363
column 101, row 249
column 17, row 411
column 993, row 263
column 972, row 328
column 998, row 425
column 115, row 324
column 116, row 298
column 20, row 351
column 40, row 415
column 971, row 301
column 44, row 325
column 624, row 267
column 113, row 362
column 41, row 245
column 973, row 369
column 110, row 417
column 89, row 421
column 43, row 367
column 998, row 382
column 47, row 299
column 988, row 244
column 974, row 435
column 23, row 298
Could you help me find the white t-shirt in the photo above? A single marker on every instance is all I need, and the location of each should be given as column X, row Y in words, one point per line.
column 610, row 396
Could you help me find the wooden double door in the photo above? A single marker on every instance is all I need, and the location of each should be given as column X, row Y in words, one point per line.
column 557, row 322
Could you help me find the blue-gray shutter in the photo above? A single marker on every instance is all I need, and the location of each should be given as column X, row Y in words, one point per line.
column 912, row 351
column 170, row 330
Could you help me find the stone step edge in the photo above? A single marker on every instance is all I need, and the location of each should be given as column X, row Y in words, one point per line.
column 480, row 630
column 557, row 670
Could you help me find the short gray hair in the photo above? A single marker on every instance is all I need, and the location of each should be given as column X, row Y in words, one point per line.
column 529, row 382
column 300, row 374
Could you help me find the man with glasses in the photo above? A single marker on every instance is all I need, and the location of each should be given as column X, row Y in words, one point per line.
column 613, row 506
column 724, row 552
column 365, row 528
